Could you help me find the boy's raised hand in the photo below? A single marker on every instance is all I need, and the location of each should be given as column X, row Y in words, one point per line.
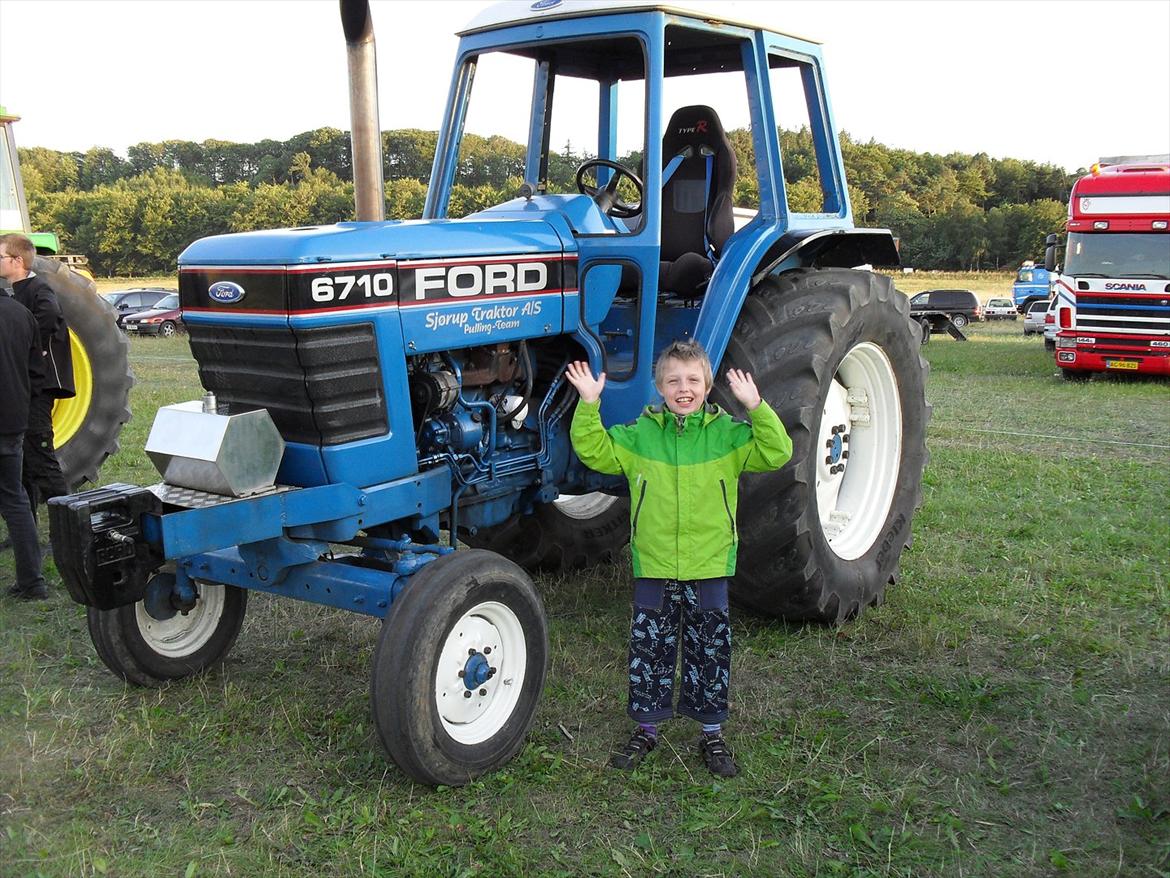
column 581, row 377
column 743, row 388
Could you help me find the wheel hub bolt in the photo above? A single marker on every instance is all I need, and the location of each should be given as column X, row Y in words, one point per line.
column 481, row 692
column 467, row 694
column 829, row 459
column 487, row 650
column 461, row 672
column 471, row 651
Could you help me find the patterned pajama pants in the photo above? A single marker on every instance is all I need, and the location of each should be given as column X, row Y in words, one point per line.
column 664, row 611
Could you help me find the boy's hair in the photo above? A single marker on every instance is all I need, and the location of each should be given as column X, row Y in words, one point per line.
column 19, row 245
column 689, row 351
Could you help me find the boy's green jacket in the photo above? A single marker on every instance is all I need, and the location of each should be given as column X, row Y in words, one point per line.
column 684, row 480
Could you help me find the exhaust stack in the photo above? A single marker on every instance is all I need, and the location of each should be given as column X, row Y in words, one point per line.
column 365, row 132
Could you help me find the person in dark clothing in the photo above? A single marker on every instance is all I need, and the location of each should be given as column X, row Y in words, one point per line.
column 21, row 372
column 42, row 474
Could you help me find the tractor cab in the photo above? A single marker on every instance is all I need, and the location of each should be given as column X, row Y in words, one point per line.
column 653, row 132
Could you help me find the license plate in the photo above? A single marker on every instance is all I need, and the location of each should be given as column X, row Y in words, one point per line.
column 1121, row 364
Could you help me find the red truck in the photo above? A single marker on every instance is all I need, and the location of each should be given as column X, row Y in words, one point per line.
column 1113, row 291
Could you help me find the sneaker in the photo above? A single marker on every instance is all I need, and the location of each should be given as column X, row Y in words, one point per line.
column 720, row 760
column 637, row 747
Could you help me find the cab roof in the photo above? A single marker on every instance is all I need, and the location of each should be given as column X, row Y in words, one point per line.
column 511, row 13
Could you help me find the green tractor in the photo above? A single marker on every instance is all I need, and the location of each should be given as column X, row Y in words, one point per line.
column 85, row 427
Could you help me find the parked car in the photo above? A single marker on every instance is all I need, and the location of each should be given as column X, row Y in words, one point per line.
column 935, row 306
column 1000, row 309
column 1034, row 317
column 163, row 319
column 135, row 300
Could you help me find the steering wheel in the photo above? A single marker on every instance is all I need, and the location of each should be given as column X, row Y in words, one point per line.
column 607, row 198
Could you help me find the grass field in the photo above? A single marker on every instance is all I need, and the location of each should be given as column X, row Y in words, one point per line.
column 1005, row 712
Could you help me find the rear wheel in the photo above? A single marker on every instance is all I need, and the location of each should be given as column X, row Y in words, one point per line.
column 571, row 533
column 459, row 668
column 960, row 320
column 148, row 643
column 834, row 351
column 86, row 426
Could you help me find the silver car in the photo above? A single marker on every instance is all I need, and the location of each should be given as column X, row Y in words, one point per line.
column 1034, row 317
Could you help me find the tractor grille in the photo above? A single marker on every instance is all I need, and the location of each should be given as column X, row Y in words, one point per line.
column 321, row 386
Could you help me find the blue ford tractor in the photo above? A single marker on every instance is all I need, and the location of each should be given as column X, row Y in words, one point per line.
column 385, row 425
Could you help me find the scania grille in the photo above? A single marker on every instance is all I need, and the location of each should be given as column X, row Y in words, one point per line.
column 1103, row 313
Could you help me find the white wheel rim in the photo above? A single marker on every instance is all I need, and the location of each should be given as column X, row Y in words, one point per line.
column 183, row 635
column 858, row 449
column 494, row 632
column 584, row 506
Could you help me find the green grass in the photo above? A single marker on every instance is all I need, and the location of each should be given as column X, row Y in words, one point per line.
column 1004, row 713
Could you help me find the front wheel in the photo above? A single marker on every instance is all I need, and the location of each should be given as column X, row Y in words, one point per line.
column 835, row 353
column 168, row 330
column 459, row 668
column 148, row 644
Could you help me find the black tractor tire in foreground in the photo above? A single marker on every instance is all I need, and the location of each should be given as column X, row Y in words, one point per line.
column 835, row 353
column 86, row 427
column 571, row 533
column 146, row 651
column 459, row 668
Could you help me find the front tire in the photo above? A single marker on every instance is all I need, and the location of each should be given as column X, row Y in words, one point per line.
column 829, row 349
column 168, row 330
column 571, row 533
column 148, row 651
column 441, row 712
column 86, row 426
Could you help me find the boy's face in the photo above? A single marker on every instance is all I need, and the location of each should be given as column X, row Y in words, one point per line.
column 683, row 386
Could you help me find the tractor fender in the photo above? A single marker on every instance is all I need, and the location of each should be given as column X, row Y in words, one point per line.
column 749, row 259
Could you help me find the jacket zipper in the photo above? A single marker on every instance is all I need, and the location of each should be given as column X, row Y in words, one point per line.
column 727, row 506
column 638, row 508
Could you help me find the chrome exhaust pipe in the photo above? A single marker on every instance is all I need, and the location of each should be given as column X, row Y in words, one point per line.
column 365, row 132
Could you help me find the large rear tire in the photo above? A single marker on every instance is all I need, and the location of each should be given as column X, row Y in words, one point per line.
column 571, row 533
column 86, row 427
column 459, row 668
column 836, row 354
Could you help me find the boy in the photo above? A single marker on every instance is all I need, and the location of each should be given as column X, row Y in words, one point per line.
column 683, row 463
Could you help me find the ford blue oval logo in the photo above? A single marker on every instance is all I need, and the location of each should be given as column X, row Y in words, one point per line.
column 225, row 291
column 541, row 5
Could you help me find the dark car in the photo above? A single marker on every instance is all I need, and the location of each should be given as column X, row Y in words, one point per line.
column 135, row 300
column 163, row 319
column 935, row 306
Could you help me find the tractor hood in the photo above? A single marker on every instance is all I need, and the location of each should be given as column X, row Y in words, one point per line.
column 380, row 241
column 319, row 271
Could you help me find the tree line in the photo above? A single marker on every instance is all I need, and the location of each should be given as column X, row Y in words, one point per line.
column 134, row 215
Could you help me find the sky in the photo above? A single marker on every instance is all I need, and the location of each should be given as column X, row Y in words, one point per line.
column 1053, row 82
